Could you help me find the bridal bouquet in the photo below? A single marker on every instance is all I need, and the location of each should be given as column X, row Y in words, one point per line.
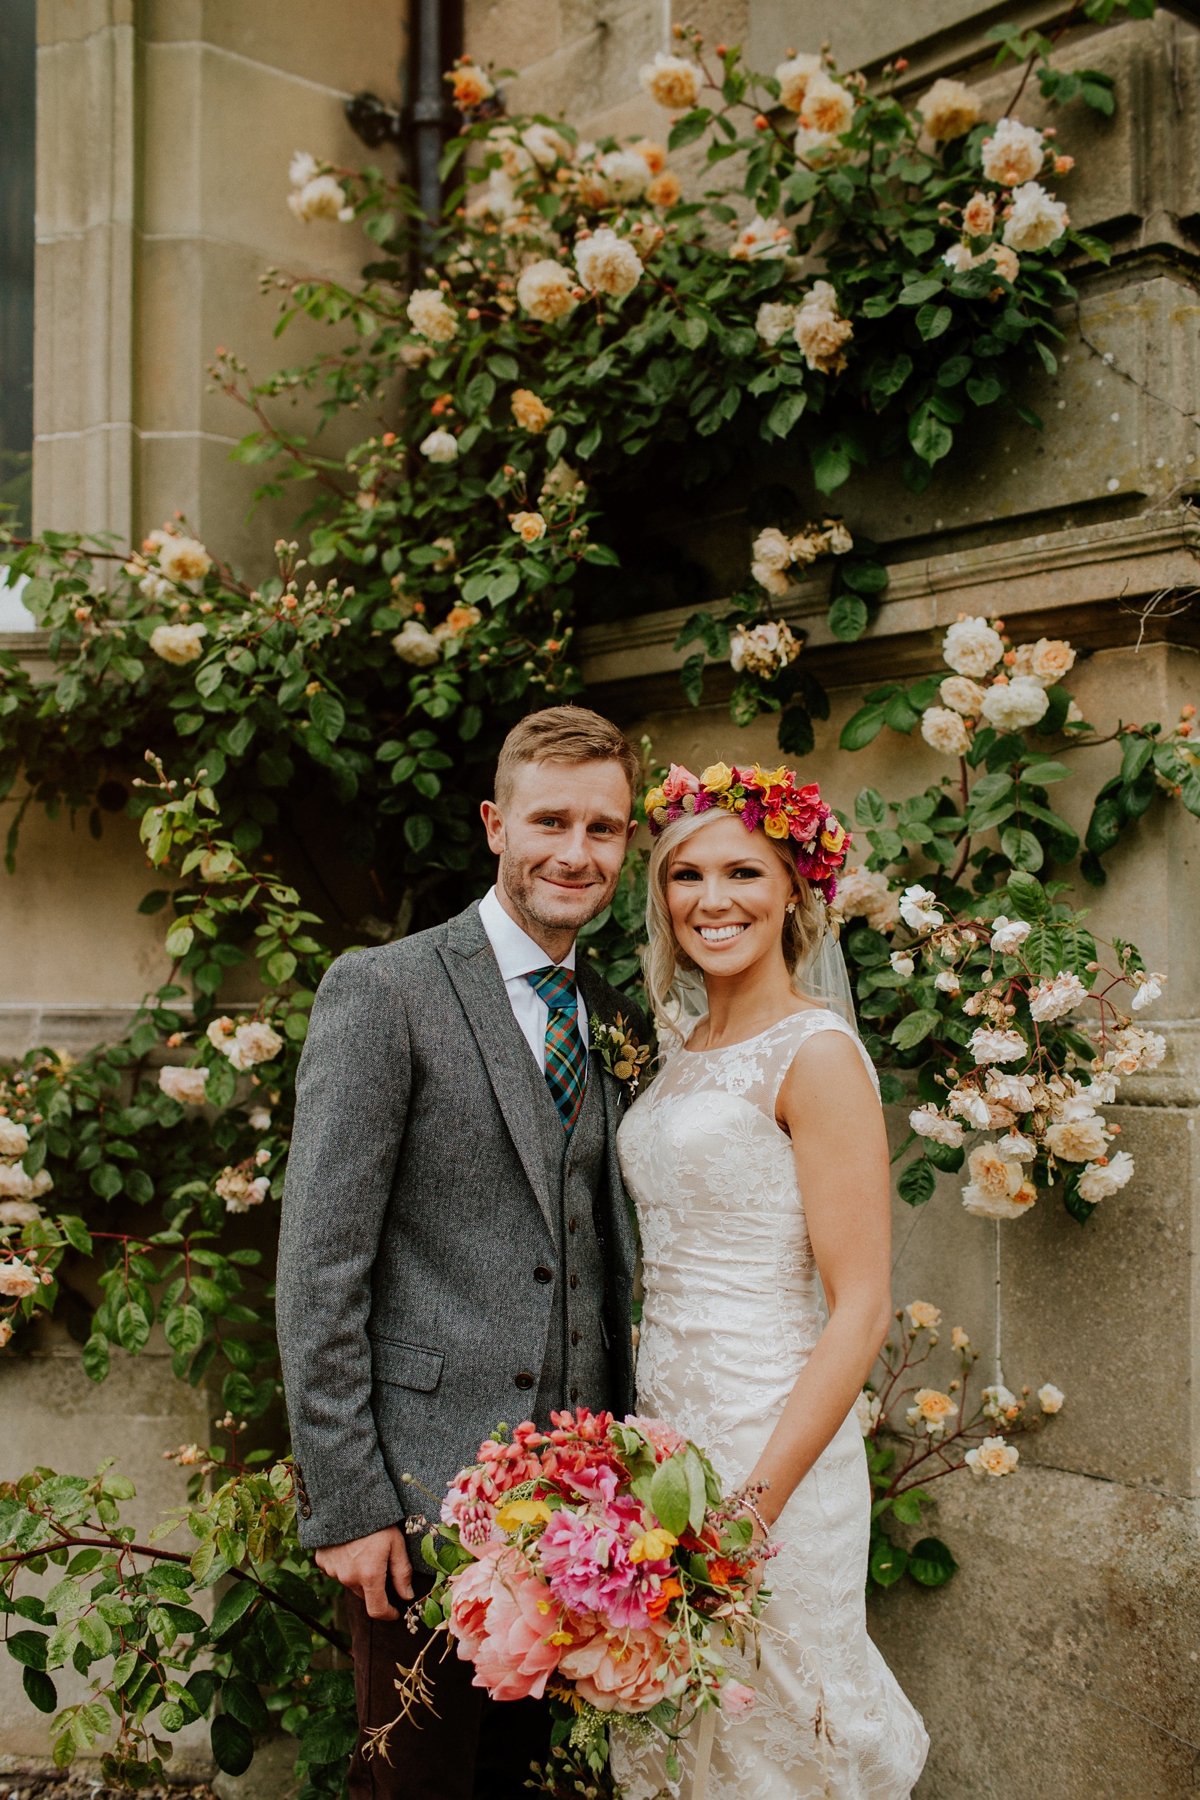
column 597, row 1563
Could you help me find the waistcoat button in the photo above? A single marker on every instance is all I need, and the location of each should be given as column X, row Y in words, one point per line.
column 572, row 1225
column 541, row 1273
column 574, row 1337
column 524, row 1379
column 574, row 1393
column 574, row 1281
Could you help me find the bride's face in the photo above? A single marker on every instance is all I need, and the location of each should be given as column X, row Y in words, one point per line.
column 727, row 894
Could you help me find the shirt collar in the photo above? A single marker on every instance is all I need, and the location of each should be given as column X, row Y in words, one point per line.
column 515, row 950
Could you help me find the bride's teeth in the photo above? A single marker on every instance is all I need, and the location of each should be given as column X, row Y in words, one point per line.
column 719, row 934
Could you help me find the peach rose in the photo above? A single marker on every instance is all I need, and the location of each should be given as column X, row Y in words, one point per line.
column 623, row 1671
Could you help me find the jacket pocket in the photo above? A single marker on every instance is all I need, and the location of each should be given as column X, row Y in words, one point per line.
column 405, row 1365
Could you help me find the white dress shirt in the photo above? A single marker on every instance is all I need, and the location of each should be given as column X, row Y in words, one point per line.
column 518, row 956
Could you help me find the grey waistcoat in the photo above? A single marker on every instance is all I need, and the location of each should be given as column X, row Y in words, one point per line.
column 575, row 1370
column 430, row 1190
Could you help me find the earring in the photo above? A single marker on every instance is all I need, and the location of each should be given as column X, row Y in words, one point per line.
column 791, row 906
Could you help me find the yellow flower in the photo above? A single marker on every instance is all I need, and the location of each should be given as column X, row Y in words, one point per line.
column 770, row 778
column 653, row 1546
column 716, row 778
column 833, row 836
column 775, row 825
column 654, row 799
column 522, row 1512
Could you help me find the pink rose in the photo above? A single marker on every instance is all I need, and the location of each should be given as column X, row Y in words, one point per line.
column 680, row 782
column 737, row 1699
column 623, row 1671
column 664, row 1437
column 585, row 1558
column 502, row 1616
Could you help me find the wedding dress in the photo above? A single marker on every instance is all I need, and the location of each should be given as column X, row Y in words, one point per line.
column 732, row 1313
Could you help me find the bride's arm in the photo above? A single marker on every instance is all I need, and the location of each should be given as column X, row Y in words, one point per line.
column 828, row 1105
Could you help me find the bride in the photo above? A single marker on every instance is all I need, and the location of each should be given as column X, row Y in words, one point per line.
column 759, row 1168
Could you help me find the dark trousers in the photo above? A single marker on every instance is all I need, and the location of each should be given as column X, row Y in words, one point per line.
column 475, row 1748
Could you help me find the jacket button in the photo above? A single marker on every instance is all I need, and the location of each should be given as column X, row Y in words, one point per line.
column 574, row 1281
column 541, row 1273
column 572, row 1225
column 574, row 1337
column 524, row 1379
column 574, row 1393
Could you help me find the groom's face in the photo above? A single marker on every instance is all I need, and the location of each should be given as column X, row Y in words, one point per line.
column 561, row 837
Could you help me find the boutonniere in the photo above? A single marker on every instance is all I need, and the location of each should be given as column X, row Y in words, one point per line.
column 620, row 1051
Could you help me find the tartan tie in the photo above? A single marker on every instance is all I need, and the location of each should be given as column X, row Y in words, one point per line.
column 566, row 1059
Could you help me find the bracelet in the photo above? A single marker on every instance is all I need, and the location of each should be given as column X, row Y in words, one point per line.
column 749, row 1506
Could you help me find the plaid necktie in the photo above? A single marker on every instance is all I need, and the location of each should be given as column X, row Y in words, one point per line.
column 566, row 1059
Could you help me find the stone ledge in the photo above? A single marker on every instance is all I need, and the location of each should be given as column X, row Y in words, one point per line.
column 1056, row 581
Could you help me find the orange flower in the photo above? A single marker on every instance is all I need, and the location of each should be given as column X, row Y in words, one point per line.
column 721, row 1571
column 657, row 1605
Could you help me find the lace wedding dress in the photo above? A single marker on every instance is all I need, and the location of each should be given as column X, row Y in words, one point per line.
column 732, row 1313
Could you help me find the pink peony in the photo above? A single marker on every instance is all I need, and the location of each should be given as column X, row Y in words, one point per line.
column 737, row 1699
column 623, row 1671
column 503, row 1617
column 678, row 783
column 585, row 1557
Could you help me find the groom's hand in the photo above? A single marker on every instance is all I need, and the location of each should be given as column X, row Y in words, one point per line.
column 364, row 1564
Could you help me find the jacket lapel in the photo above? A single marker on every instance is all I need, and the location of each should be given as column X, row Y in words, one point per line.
column 518, row 1084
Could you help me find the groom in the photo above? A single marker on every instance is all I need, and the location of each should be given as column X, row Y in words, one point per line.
column 456, row 1247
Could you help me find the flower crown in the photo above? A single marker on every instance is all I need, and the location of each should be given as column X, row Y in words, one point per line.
column 766, row 797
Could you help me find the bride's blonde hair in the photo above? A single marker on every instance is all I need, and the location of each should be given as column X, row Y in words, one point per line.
column 665, row 962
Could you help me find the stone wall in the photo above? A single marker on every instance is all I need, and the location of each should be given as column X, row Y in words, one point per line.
column 165, row 132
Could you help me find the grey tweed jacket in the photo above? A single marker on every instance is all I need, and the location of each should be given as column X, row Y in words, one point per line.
column 422, row 1191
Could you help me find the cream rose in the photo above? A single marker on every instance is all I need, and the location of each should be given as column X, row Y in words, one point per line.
column 963, row 695
column 827, row 106
column 431, row 316
column 928, row 1122
column 1015, row 705
column 950, row 109
column 18, row 1280
column 932, row 1410
column 14, row 1138
column 774, row 319
column 545, row 290
column 627, row 175
column 793, row 77
column 320, row 198
column 178, row 644
column 1013, row 154
column 1077, row 1140
column 15, row 1184
column 666, row 190
column 672, row 82
column 923, row 1315
column 971, row 647
column 183, row 1085
column 821, row 332
column 1035, row 219
column 944, row 731
column 440, row 446
column 529, row 526
column 772, row 548
column 990, row 1046
column 1100, row 1181
column 993, row 1457
column 19, row 1212
column 415, row 645
column 762, row 240
column 864, row 893
column 1054, row 999
column 608, row 264
column 184, row 559
column 1050, row 1398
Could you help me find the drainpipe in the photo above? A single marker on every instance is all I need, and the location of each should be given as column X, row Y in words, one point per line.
column 428, row 110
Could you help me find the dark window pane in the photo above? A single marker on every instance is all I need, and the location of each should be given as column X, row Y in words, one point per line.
column 18, row 90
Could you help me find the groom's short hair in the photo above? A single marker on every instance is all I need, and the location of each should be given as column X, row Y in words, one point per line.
column 566, row 734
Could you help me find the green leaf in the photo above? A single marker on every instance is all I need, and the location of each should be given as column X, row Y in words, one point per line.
column 183, row 1329
column 862, row 728
column 907, row 1506
column 930, row 1562
column 848, row 617
column 892, row 1091
column 1022, row 849
column 786, row 411
column 238, row 1600
column 418, row 831
column 29, row 1647
column 95, row 1357
column 95, row 1634
column 929, row 437
column 870, row 808
column 888, row 1562
column 689, row 128
column 133, row 1327
column 232, row 1745
column 1028, row 896
column 327, row 1738
column 40, row 1689
column 932, row 321
column 670, row 1496
column 327, row 714
column 943, row 1157
column 917, row 1181
column 830, row 464
column 76, row 1232
column 690, row 332
column 915, row 1027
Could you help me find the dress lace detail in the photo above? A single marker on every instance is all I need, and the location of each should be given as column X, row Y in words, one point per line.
column 732, row 1313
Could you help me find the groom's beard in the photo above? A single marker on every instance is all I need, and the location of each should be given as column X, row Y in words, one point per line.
column 561, row 911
